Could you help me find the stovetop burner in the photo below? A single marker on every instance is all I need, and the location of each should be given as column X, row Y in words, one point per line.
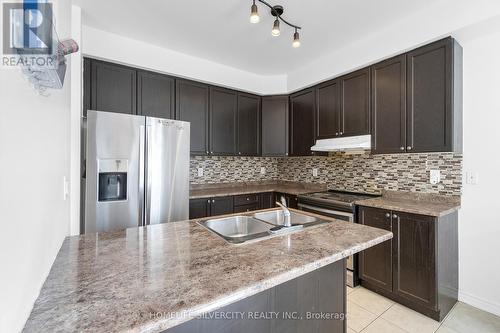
column 348, row 197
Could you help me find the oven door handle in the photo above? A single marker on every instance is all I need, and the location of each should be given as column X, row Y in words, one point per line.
column 328, row 211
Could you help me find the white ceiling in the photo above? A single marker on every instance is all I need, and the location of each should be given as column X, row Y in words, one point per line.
column 220, row 31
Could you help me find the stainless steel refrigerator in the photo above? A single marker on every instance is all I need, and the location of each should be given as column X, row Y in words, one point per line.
column 137, row 171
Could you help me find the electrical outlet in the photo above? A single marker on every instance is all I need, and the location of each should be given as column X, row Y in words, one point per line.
column 262, row 171
column 435, row 176
column 315, row 172
column 200, row 172
column 472, row 178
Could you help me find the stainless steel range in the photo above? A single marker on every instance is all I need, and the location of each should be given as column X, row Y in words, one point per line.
column 339, row 205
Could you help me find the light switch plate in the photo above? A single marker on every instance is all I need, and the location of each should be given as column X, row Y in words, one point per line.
column 435, row 176
column 315, row 172
column 200, row 172
column 262, row 171
column 65, row 188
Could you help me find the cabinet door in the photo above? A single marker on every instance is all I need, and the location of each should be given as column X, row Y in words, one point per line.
column 355, row 111
column 328, row 110
column 415, row 258
column 292, row 201
column 223, row 109
column 389, row 106
column 192, row 106
column 375, row 264
column 113, row 88
column 275, row 126
column 199, row 208
column 267, row 200
column 429, row 98
column 248, row 125
column 155, row 95
column 302, row 108
column 221, row 206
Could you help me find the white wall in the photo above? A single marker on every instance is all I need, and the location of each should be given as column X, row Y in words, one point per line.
column 479, row 221
column 109, row 46
column 34, row 158
column 435, row 21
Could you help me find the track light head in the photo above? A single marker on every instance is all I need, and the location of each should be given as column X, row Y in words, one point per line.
column 254, row 14
column 276, row 28
column 296, row 39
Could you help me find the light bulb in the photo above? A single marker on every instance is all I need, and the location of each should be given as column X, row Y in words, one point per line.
column 276, row 28
column 254, row 16
column 296, row 40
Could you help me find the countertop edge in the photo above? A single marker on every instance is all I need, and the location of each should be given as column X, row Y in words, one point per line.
column 261, row 286
column 441, row 213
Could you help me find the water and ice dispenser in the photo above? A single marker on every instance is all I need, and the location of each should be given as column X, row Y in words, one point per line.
column 112, row 180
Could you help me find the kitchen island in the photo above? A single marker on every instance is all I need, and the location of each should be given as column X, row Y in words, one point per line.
column 163, row 277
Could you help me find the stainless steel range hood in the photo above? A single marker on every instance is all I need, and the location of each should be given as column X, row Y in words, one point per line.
column 348, row 144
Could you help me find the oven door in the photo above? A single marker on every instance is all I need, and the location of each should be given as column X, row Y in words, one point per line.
column 336, row 214
column 345, row 216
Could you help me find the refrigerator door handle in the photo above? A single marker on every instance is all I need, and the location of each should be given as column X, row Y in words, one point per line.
column 148, row 169
column 142, row 164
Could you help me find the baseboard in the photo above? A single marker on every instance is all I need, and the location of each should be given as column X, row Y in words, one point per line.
column 479, row 303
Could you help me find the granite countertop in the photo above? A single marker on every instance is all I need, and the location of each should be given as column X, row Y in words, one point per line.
column 414, row 203
column 226, row 189
column 121, row 281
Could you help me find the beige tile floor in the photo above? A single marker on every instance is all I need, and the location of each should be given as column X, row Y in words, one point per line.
column 368, row 312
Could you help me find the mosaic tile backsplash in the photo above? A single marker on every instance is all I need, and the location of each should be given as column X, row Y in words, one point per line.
column 366, row 172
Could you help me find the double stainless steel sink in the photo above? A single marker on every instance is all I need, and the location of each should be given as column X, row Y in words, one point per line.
column 242, row 228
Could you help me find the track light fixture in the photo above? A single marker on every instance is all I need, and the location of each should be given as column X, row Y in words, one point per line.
column 277, row 12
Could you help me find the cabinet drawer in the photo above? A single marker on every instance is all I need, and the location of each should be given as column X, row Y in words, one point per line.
column 246, row 208
column 246, row 199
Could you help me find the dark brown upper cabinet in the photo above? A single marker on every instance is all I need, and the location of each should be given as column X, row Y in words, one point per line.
column 328, row 110
column 223, row 126
column 114, row 88
column 302, row 115
column 155, row 95
column 434, row 97
column 355, row 110
column 389, row 106
column 248, row 125
column 417, row 100
column 275, row 130
column 192, row 105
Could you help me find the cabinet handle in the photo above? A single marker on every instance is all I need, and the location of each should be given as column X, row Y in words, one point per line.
column 408, row 148
column 208, row 201
column 239, row 153
column 341, row 133
column 336, row 133
column 402, row 148
column 248, row 199
column 213, row 200
column 394, row 216
column 208, row 152
column 387, row 215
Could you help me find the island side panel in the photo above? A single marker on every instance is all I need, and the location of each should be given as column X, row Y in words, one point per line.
column 286, row 306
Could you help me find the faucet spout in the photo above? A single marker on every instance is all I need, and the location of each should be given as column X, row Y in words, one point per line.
column 286, row 213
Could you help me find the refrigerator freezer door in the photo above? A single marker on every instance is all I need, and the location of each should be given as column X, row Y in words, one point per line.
column 113, row 186
column 167, row 171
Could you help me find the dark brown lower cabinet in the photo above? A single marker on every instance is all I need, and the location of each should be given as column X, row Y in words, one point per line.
column 298, row 305
column 419, row 266
column 292, row 201
column 375, row 264
column 267, row 200
column 205, row 207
